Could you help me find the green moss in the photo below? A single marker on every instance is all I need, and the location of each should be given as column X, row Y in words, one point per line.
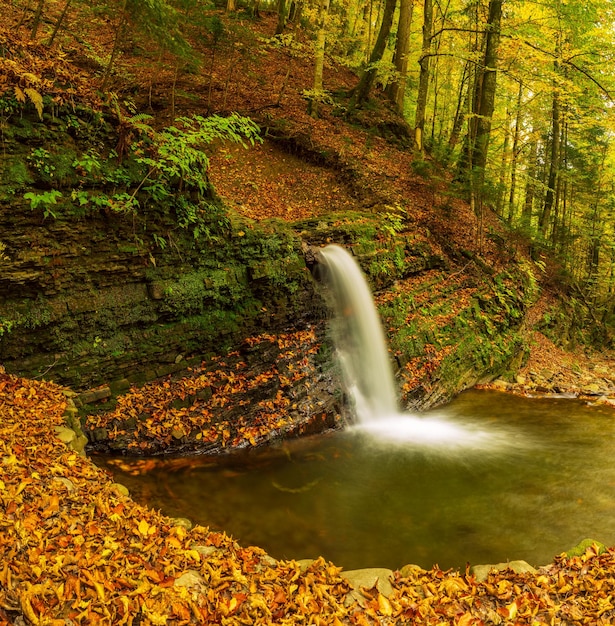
column 581, row 548
column 15, row 176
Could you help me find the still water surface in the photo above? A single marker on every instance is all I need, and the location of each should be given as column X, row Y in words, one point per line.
column 532, row 478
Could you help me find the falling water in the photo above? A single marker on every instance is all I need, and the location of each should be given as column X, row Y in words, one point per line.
column 360, row 340
column 363, row 355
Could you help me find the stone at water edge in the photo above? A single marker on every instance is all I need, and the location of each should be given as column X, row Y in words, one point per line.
column 520, row 567
column 379, row 577
column 581, row 548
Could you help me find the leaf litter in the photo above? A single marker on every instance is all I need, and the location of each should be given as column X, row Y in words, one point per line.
column 76, row 550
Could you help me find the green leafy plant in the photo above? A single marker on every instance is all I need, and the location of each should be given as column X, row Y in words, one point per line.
column 175, row 160
column 46, row 200
column 6, row 326
column 41, row 161
column 88, row 163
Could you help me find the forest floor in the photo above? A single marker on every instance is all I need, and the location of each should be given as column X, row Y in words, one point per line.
column 74, row 548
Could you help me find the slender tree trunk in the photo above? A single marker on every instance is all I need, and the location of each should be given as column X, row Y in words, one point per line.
column 362, row 90
column 281, row 25
column 116, row 45
column 37, row 19
column 231, row 6
column 24, row 14
column 424, row 62
column 488, row 77
column 545, row 217
column 515, row 157
column 530, row 184
column 59, row 22
column 504, row 165
column 397, row 89
column 460, row 112
column 319, row 58
column 370, row 21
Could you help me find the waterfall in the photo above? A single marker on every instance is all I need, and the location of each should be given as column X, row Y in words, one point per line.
column 359, row 338
column 362, row 352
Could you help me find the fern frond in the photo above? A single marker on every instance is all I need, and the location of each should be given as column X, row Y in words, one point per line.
column 37, row 100
column 31, row 78
column 138, row 118
column 20, row 95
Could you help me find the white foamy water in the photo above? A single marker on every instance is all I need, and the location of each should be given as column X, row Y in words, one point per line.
column 437, row 434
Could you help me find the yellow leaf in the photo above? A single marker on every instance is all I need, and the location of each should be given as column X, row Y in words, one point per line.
column 31, row 78
column 144, row 528
column 466, row 620
column 384, row 605
column 22, row 485
column 100, row 590
column 37, row 100
column 194, row 554
column 20, row 95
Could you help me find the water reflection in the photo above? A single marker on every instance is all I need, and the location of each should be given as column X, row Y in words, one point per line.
column 533, row 478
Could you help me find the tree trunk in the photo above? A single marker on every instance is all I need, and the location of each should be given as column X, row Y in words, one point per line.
column 421, row 100
column 116, row 46
column 460, row 112
column 361, row 91
column 545, row 216
column 530, row 184
column 59, row 22
column 281, row 25
column 504, row 165
column 37, row 19
column 487, row 86
column 397, row 89
column 515, row 157
column 319, row 58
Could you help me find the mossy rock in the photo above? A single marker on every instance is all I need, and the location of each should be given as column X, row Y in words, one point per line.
column 581, row 548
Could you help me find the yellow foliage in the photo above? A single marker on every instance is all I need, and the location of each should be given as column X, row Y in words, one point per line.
column 37, row 100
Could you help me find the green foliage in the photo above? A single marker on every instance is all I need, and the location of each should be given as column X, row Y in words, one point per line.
column 421, row 167
column 46, row 200
column 6, row 326
column 17, row 176
column 88, row 163
column 42, row 161
column 163, row 171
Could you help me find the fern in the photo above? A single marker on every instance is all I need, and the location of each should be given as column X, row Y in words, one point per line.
column 33, row 95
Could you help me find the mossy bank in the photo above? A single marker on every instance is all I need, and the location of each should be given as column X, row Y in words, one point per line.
column 120, row 265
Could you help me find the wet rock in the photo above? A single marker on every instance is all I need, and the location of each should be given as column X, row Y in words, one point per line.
column 183, row 522
column 64, row 434
column 520, row 567
column 408, row 570
column 191, row 580
column 378, row 577
column 95, row 395
column 121, row 489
